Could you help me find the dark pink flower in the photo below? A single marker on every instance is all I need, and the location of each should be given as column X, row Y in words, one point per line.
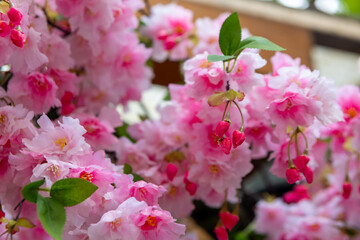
column 226, row 145
column 301, row 161
column 4, row 29
column 347, row 188
column 221, row 233
column 308, row 173
column 171, row 171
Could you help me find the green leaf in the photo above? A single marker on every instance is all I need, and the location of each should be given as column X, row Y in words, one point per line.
column 137, row 177
column 127, row 168
column 217, row 58
column 72, row 191
column 230, row 34
column 258, row 43
column 52, row 216
column 30, row 191
column 122, row 132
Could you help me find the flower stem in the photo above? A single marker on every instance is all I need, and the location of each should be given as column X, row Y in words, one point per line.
column 242, row 116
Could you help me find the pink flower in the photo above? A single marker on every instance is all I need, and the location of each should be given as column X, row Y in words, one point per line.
column 65, row 140
column 148, row 192
column 293, row 110
column 299, row 193
column 156, row 223
column 118, row 223
column 37, row 91
column 308, row 173
column 18, row 38
column 171, row 170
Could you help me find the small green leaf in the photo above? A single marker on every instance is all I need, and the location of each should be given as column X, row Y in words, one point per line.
column 230, row 35
column 137, row 177
column 122, row 132
column 52, row 216
column 217, row 58
column 216, row 99
column 258, row 43
column 127, row 168
column 30, row 191
column 72, row 191
column 23, row 222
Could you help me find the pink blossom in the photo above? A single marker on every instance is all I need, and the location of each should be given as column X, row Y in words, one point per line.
column 147, row 192
column 157, row 224
column 37, row 91
column 118, row 223
column 4, row 29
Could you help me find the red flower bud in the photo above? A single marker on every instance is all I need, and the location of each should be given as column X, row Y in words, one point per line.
column 347, row 187
column 229, row 220
column 292, row 175
column 301, row 161
column 222, row 128
column 18, row 38
column 15, row 16
column 4, row 29
column 238, row 138
column 221, row 233
column 226, row 145
column 162, row 35
column 308, row 173
column 171, row 171
column 170, row 43
column 191, row 188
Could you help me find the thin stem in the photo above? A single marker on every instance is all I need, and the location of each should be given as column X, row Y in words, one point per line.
column 242, row 116
column 20, row 207
column 306, row 141
column 296, row 143
column 66, row 32
column 232, row 68
column 289, row 156
column 147, row 6
column 21, row 202
column 227, row 104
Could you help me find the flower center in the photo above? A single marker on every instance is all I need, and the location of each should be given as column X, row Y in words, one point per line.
column 55, row 170
column 352, row 112
column 2, row 118
column 214, row 169
column 151, row 221
column 61, row 142
column 172, row 191
column 116, row 223
column 205, row 64
column 87, row 176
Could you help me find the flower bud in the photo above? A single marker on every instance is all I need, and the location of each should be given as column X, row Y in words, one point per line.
column 292, row 175
column 238, row 138
column 229, row 220
column 4, row 29
column 18, row 38
column 221, row 233
column 191, row 188
column 301, row 161
column 347, row 188
column 221, row 128
column 171, row 171
column 308, row 173
column 226, row 145
column 15, row 16
column 162, row 35
column 170, row 43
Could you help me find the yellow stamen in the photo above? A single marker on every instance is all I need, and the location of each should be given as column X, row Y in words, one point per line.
column 87, row 176
column 151, row 221
column 214, row 169
column 116, row 223
column 205, row 64
column 61, row 142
